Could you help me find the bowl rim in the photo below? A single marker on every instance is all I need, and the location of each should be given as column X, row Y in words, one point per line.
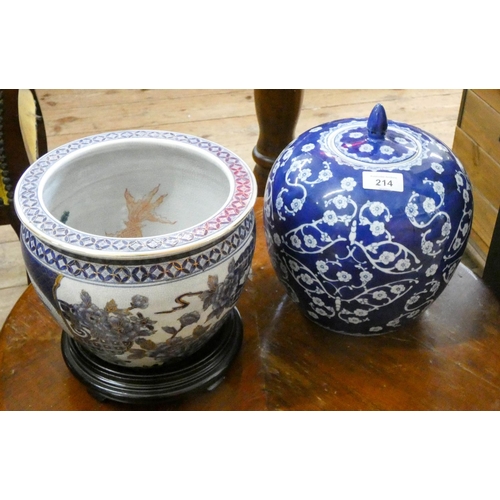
column 35, row 217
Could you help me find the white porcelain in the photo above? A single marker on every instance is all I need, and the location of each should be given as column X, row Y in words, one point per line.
column 139, row 242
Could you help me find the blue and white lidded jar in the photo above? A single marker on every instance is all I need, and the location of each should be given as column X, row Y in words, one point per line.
column 366, row 221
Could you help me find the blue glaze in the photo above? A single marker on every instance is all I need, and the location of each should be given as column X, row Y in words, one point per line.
column 366, row 221
column 377, row 122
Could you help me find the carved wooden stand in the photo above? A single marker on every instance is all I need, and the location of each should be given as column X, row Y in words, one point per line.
column 203, row 371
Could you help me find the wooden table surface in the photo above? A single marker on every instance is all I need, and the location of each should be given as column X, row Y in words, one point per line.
column 448, row 359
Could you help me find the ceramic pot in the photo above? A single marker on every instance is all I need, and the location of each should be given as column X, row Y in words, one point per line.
column 366, row 220
column 138, row 242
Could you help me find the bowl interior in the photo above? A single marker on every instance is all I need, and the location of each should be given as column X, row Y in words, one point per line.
column 136, row 188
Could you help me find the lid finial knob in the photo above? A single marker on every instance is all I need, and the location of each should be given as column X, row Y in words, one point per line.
column 377, row 122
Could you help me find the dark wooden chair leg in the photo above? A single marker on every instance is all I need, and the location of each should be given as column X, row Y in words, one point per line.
column 277, row 114
column 491, row 273
column 13, row 155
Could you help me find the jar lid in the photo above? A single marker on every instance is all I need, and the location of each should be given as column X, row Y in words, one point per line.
column 375, row 143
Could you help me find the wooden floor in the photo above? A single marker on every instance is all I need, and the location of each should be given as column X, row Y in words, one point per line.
column 223, row 116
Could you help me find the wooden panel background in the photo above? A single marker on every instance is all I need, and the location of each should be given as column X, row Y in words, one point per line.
column 477, row 144
column 228, row 116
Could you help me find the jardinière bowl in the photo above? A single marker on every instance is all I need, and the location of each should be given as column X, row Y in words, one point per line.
column 139, row 241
